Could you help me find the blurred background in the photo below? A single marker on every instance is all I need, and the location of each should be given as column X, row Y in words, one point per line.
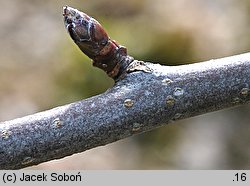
column 41, row 68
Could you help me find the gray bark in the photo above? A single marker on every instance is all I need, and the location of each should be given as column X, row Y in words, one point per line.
column 147, row 97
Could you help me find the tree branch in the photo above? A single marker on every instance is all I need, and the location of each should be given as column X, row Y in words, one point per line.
column 139, row 102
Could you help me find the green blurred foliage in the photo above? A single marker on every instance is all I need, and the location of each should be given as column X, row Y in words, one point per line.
column 157, row 146
column 170, row 48
column 78, row 79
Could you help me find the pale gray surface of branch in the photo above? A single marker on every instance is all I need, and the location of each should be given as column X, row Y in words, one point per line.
column 140, row 102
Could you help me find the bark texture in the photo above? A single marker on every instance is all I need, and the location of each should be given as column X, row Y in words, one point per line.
column 149, row 96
